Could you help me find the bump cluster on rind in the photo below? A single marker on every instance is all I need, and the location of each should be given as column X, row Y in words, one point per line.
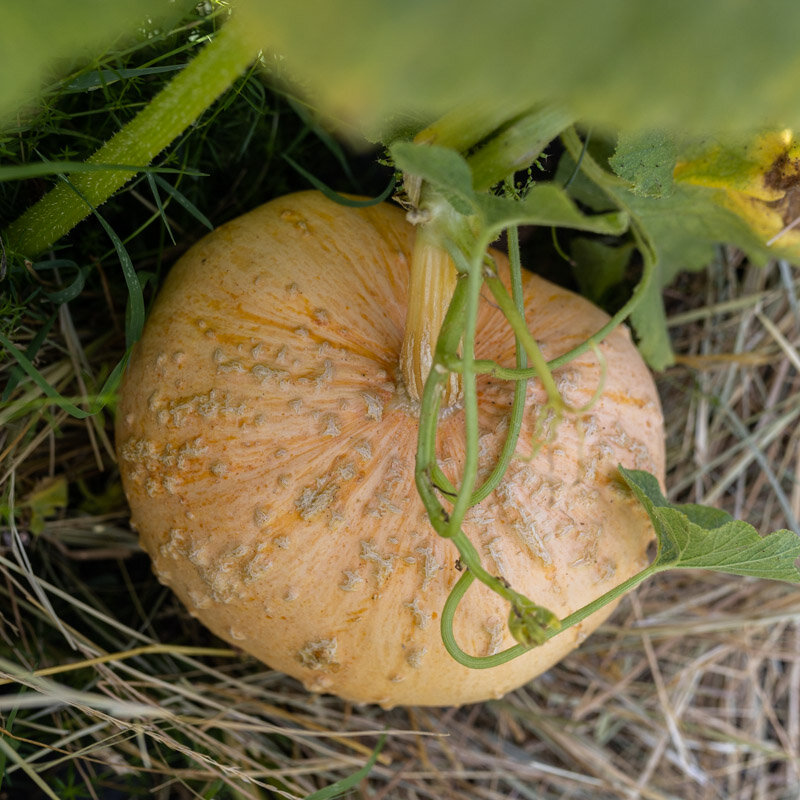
column 267, row 451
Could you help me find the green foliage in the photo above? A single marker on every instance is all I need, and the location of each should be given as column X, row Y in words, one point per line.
column 530, row 624
column 47, row 500
column 544, row 204
column 676, row 224
column 646, row 161
column 704, row 65
column 684, row 221
column 602, row 266
column 692, row 536
column 441, row 167
column 338, row 789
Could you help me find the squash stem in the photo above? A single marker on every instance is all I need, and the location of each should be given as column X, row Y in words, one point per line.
column 169, row 113
column 432, row 283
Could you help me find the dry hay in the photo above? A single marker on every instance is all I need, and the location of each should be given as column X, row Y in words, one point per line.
column 692, row 691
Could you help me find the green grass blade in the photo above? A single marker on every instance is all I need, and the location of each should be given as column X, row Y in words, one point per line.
column 38, row 169
column 345, row 784
column 184, row 202
column 335, row 196
column 30, row 353
column 12, row 754
column 105, row 77
column 58, row 399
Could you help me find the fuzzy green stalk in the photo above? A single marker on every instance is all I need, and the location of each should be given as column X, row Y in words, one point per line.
column 455, row 363
column 430, row 404
column 520, row 388
column 168, row 114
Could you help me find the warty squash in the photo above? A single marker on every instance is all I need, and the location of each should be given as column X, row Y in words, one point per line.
column 266, row 444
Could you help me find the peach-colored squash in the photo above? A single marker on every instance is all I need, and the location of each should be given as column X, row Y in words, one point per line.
column 267, row 448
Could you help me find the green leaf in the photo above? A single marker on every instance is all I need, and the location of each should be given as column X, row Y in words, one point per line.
column 683, row 222
column 441, row 167
column 531, row 624
column 580, row 186
column 692, row 536
column 712, row 65
column 517, row 145
column 47, row 499
column 99, row 403
column 549, row 205
column 686, row 226
column 647, row 161
column 649, row 320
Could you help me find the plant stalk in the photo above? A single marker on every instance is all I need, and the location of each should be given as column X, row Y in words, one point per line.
column 487, row 662
column 169, row 113
column 432, row 282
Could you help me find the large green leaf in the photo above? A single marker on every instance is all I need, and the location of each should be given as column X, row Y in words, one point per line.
column 599, row 267
column 549, row 205
column 646, row 159
column 711, row 65
column 712, row 200
column 715, row 65
column 36, row 37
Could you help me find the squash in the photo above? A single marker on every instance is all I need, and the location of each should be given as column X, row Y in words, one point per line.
column 266, row 445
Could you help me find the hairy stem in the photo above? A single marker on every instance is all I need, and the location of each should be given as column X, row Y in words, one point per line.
column 520, row 393
column 169, row 113
column 469, row 473
column 426, row 469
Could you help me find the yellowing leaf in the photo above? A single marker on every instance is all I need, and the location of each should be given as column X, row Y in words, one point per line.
column 759, row 180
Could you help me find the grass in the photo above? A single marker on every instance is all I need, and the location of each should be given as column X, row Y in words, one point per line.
column 108, row 689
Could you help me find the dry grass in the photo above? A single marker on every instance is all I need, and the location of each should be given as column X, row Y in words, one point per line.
column 691, row 692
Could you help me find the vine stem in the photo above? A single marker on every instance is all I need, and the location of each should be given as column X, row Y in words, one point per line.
column 520, row 388
column 167, row 115
column 430, row 404
column 520, row 327
column 469, row 474
column 496, row 659
column 460, row 327
column 530, row 624
column 455, row 363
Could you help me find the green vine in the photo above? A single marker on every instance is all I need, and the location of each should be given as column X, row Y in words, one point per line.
column 688, row 536
column 467, row 243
